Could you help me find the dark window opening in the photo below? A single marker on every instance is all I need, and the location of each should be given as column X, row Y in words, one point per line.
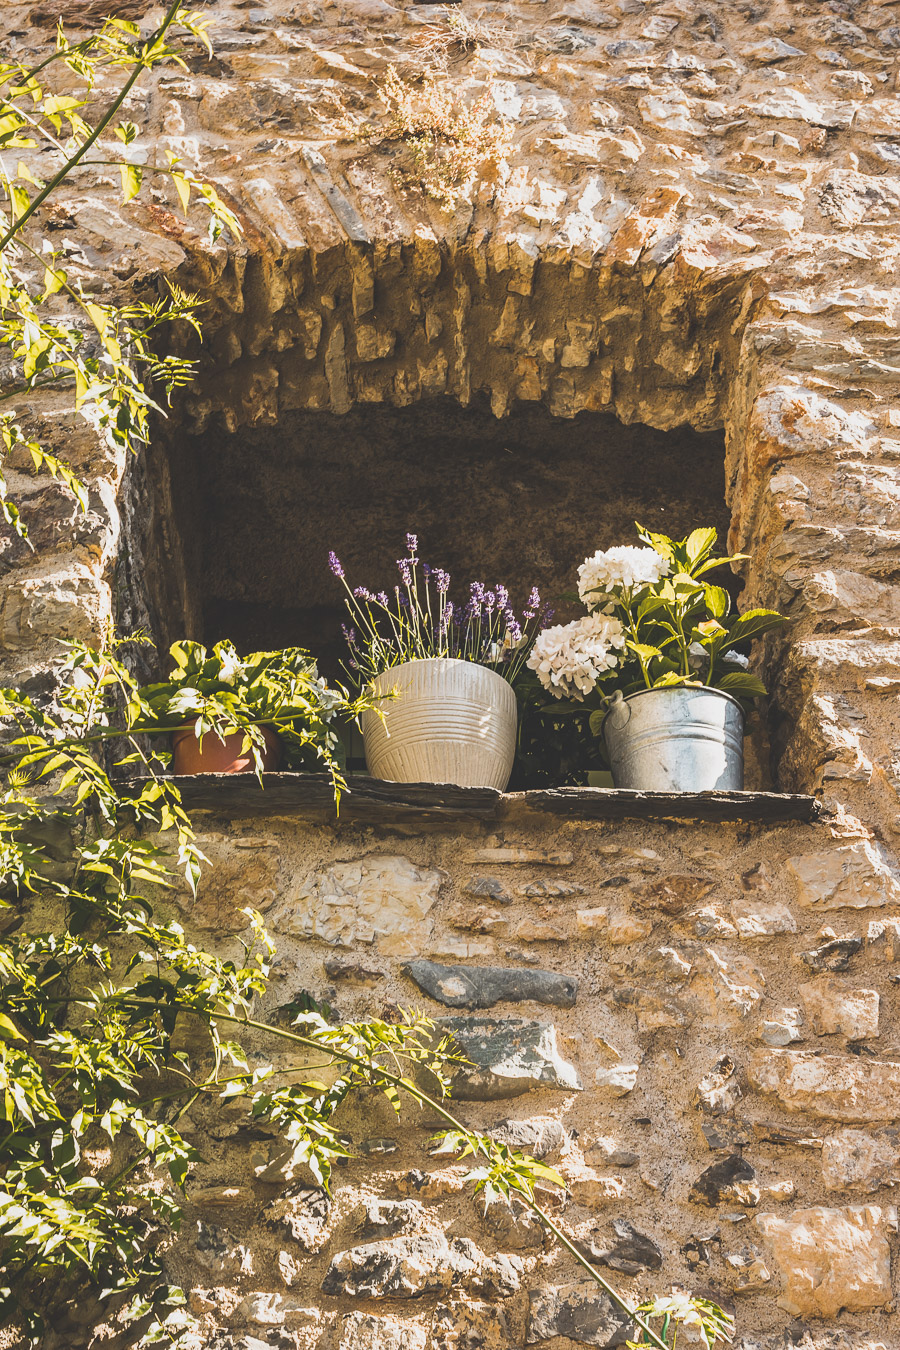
column 239, row 525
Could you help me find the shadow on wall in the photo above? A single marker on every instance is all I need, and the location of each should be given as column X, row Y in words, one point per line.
column 239, row 526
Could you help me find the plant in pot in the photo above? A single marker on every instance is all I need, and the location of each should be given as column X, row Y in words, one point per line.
column 442, row 674
column 233, row 714
column 656, row 657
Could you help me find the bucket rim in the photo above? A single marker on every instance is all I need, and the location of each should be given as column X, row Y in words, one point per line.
column 677, row 689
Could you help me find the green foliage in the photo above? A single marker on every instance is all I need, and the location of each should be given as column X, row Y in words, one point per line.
column 708, row 1323
column 218, row 691
column 679, row 630
column 89, row 1004
column 54, row 332
column 94, row 1084
column 95, row 978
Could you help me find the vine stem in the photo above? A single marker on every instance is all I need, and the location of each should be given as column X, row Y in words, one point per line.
column 424, row 1099
column 74, row 160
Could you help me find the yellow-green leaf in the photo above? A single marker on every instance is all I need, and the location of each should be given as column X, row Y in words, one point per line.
column 9, row 1030
column 183, row 188
column 131, row 181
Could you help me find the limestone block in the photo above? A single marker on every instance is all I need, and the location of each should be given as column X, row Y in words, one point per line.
column 577, row 1311
column 588, row 1187
column 790, row 104
column 883, row 940
column 838, row 1087
column 673, row 111
column 852, row 876
column 656, row 1010
column 509, row 1057
column 304, row 1212
column 732, row 988
column 769, row 50
column 65, row 599
column 719, row 1091
column 380, row 897
column 488, row 888
column 237, row 880
column 797, row 421
column 465, row 1325
column 881, row 117
column 362, row 1331
column 831, row 1260
column 619, row 1080
column 538, row 1135
column 833, row 1009
column 529, row 931
column 782, row 1029
column 756, row 918
column 419, row 1263
column 591, row 921
column 845, row 597
column 483, row 986
column 220, row 1252
column 625, row 928
column 856, row 1158
column 460, row 949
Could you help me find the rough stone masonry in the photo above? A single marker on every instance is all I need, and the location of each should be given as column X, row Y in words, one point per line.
column 696, row 222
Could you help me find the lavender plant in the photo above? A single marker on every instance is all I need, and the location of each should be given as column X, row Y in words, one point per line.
column 418, row 620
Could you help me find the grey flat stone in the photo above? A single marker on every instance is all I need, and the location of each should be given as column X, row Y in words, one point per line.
column 631, row 1253
column 483, row 986
column 507, row 1057
column 578, row 1311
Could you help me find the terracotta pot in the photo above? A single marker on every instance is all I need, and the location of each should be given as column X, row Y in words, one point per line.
column 221, row 756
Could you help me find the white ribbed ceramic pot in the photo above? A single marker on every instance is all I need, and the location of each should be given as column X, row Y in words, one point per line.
column 451, row 722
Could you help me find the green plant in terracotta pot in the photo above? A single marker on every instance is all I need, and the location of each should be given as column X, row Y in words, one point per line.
column 232, row 714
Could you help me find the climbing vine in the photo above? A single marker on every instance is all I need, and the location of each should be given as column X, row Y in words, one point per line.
column 95, row 976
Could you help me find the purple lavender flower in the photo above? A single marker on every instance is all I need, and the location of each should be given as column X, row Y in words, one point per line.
column 360, row 593
column 427, row 570
column 534, row 604
column 335, row 564
column 490, row 601
column 349, row 634
column 502, row 597
column 405, row 570
column 412, row 543
column 513, row 627
column 442, row 580
column 382, row 599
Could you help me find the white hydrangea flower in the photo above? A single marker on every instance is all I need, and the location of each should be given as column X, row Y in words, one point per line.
column 231, row 668
column 569, row 658
column 619, row 568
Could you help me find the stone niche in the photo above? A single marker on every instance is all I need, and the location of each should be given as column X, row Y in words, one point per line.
column 240, row 523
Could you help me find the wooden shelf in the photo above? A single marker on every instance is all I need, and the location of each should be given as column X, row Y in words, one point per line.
column 373, row 801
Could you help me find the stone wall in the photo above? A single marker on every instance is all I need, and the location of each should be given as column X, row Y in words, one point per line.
column 695, row 223
column 693, row 1022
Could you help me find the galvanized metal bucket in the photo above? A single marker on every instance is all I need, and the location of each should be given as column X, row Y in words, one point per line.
column 451, row 722
column 676, row 740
